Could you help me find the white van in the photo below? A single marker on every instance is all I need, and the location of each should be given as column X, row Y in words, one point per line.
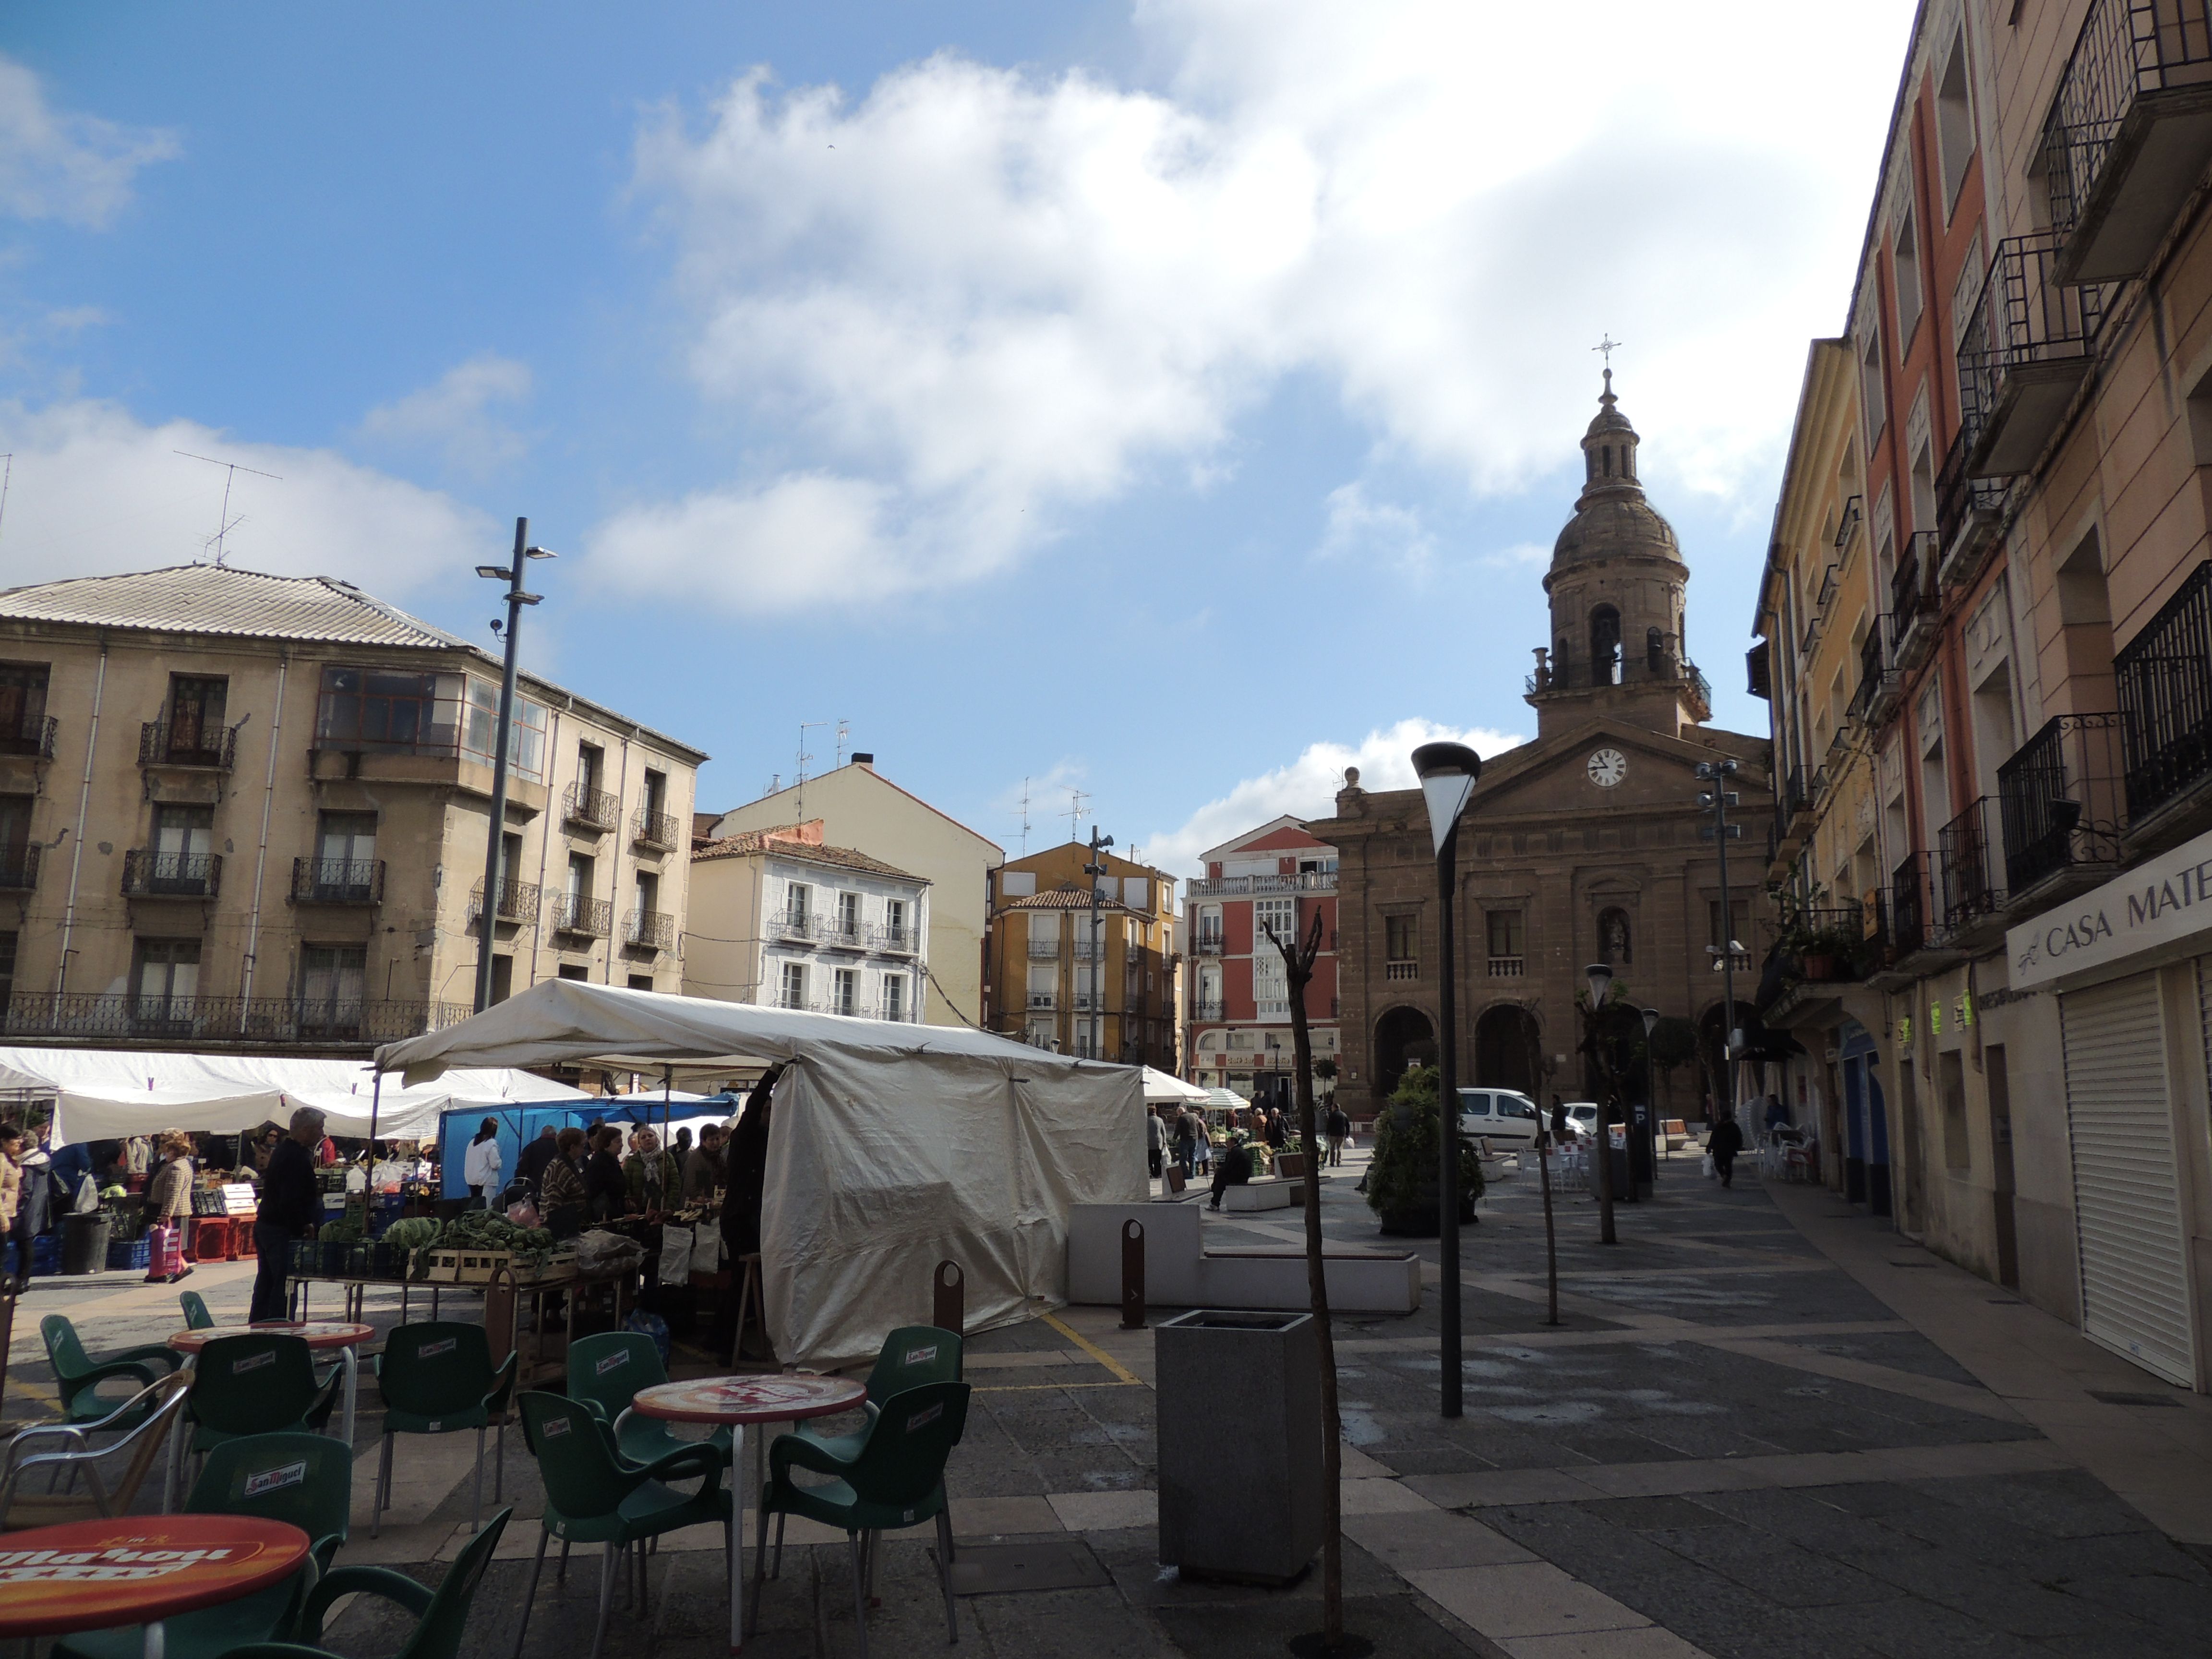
column 1499, row 1115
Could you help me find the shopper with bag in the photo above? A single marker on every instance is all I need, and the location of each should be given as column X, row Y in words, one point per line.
column 1721, row 1146
column 170, row 1198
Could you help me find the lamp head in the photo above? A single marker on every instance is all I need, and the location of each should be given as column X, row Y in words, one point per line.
column 1600, row 976
column 1651, row 1021
column 1446, row 772
column 494, row 573
column 539, row 553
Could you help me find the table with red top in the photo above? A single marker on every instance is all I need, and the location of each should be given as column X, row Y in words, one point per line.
column 320, row 1334
column 737, row 1401
column 138, row 1569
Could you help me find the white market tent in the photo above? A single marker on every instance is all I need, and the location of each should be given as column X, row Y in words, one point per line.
column 891, row 1147
column 1161, row 1090
column 112, row 1094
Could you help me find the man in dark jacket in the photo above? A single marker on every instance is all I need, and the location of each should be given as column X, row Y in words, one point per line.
column 743, row 1188
column 532, row 1165
column 1232, row 1169
column 1724, row 1142
column 291, row 1202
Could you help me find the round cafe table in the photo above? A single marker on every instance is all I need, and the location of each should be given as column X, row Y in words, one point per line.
column 320, row 1336
column 138, row 1569
column 737, row 1401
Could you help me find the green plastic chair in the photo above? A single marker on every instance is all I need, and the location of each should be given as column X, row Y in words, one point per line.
column 897, row 1480
column 438, row 1378
column 594, row 1497
column 441, row 1615
column 606, row 1371
column 197, row 1316
column 261, row 1383
column 911, row 1355
column 304, row 1480
column 78, row 1375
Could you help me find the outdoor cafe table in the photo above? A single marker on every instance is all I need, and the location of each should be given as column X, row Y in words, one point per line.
column 138, row 1569
column 318, row 1334
column 737, row 1401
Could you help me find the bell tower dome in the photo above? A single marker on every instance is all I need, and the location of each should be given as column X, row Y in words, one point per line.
column 1617, row 586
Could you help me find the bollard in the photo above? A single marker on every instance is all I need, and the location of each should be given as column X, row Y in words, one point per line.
column 952, row 1298
column 1132, row 1274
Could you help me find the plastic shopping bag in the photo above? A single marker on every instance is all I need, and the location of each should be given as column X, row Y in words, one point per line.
column 676, row 1247
column 1711, row 1173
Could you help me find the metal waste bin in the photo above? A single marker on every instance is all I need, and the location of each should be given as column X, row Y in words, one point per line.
column 84, row 1243
column 1238, row 1406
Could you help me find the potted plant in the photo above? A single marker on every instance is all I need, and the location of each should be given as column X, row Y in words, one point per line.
column 1402, row 1177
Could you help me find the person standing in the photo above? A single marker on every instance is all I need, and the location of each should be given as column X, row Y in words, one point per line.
column 1339, row 1132
column 650, row 1175
column 702, row 1164
column 606, row 1192
column 1154, row 1139
column 11, row 1191
column 291, row 1203
column 34, row 1203
column 169, row 1196
column 1561, row 1134
column 537, row 1158
column 480, row 1164
column 1724, row 1144
column 1185, row 1143
column 562, row 1206
column 1777, row 1115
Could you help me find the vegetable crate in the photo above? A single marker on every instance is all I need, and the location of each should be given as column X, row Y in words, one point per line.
column 468, row 1265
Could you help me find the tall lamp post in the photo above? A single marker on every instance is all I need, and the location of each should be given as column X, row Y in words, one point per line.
column 1651, row 1134
column 1717, row 799
column 1448, row 772
column 1095, row 869
column 516, row 598
column 1599, row 976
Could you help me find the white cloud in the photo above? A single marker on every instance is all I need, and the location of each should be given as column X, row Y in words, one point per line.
column 453, row 418
column 95, row 490
column 1307, row 788
column 975, row 301
column 77, row 168
column 1374, row 532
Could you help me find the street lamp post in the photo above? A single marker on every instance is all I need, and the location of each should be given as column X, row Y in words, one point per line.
column 516, row 598
column 1717, row 799
column 1599, row 976
column 1095, row 869
column 1651, row 1136
column 1448, row 772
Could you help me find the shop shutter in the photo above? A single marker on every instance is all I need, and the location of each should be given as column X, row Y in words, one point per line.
column 2127, row 1207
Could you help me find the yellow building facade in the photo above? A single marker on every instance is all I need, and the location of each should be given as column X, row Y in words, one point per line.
column 1050, row 980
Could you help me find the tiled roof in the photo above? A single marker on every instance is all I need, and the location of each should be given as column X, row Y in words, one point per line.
column 1069, row 898
column 773, row 841
column 208, row 598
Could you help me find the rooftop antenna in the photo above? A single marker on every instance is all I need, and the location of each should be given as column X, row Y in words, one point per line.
column 7, row 473
column 1025, row 817
column 224, row 523
column 1077, row 811
column 799, row 779
column 844, row 731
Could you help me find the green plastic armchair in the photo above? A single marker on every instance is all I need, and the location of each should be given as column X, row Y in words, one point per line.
column 441, row 1615
column 197, row 1316
column 438, row 1378
column 79, row 1375
column 261, row 1383
column 911, row 1355
column 606, row 1371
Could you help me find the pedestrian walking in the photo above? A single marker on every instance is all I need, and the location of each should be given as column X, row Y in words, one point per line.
column 1185, row 1143
column 480, row 1164
column 1340, row 1133
column 1154, row 1139
column 291, row 1202
column 1724, row 1144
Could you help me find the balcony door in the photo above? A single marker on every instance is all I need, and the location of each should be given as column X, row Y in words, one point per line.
column 184, row 844
column 333, row 979
column 15, row 839
column 195, row 718
column 164, row 979
column 345, row 856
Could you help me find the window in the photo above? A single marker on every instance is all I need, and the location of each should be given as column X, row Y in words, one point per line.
column 845, row 992
column 581, row 871
column 1044, row 985
column 895, row 998
column 1281, row 915
column 1401, row 947
column 1504, row 928
column 794, row 985
column 798, row 903
column 1740, row 923
column 1613, row 943
column 525, row 743
column 22, row 707
column 575, row 971
column 502, row 977
column 331, row 980
column 1655, row 652
column 183, row 859
column 1270, row 985
column 1209, row 927
column 895, row 924
column 1870, row 397
column 591, row 767
column 849, row 917
column 165, row 978
column 640, row 982
column 195, row 720
column 656, row 792
column 17, row 868
column 1605, row 646
column 1906, row 260
column 1954, row 122
column 7, row 970
column 363, row 709
column 345, row 856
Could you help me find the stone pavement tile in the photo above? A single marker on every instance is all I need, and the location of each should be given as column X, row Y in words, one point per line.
column 1397, row 1625
column 1431, row 1538
column 1353, row 1464
column 1071, row 1624
column 1381, row 1496
column 1491, row 1487
column 400, row 1545
column 1522, row 1599
column 1103, row 1511
column 1649, row 1643
column 985, row 1517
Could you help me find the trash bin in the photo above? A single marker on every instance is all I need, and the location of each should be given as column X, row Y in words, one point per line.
column 1239, row 1426
column 84, row 1243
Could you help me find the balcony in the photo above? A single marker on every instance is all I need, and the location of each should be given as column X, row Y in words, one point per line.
column 1845, row 527
column 1206, row 944
column 1914, row 607
column 1966, row 849
column 1401, row 970
column 1505, row 967
column 2128, row 133
column 1967, row 512
column 2061, row 795
column 593, row 810
column 1207, row 1010
column 1306, row 881
column 843, row 933
column 244, row 1023
column 586, row 918
column 797, row 925
column 162, row 744
column 171, row 875
column 1043, row 1001
column 19, row 868
column 2027, row 349
column 1044, row 949
column 1909, row 893
column 900, row 940
column 2164, row 677
column 649, row 930
column 34, row 737
column 657, row 830
column 1881, row 688
column 518, row 902
column 337, row 881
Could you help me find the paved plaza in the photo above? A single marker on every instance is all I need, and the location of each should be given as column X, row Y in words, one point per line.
column 1763, row 1426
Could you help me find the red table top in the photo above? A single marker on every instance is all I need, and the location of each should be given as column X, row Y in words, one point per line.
column 771, row 1398
column 316, row 1334
column 89, row 1574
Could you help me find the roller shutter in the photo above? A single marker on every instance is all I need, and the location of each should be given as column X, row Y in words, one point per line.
column 2127, row 1205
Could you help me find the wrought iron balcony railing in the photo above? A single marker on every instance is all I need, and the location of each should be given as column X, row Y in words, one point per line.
column 2125, row 140
column 519, row 901
column 35, row 737
column 594, row 808
column 2164, row 677
column 901, row 940
column 147, row 874
column 162, row 744
column 797, row 924
column 1207, row 1010
column 1913, row 602
column 649, row 930
column 1966, row 507
column 2028, row 345
column 1043, row 1000
column 248, row 1021
column 1966, row 853
column 841, row 934
column 1206, row 944
column 1044, row 949
column 19, row 868
column 650, row 829
column 1911, row 896
column 589, row 918
column 2063, row 796
column 1877, row 670
column 337, row 881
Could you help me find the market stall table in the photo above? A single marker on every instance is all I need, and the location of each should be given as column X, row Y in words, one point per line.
column 318, row 1334
column 737, row 1401
column 138, row 1569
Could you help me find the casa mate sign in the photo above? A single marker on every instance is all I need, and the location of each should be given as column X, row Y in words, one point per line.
column 2162, row 903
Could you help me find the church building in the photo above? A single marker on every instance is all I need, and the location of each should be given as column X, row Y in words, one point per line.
column 1582, row 846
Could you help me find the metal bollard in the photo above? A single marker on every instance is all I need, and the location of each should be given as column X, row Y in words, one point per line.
column 951, row 1299
column 1132, row 1274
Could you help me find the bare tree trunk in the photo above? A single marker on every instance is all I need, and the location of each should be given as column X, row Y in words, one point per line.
column 1534, row 1038
column 1297, row 963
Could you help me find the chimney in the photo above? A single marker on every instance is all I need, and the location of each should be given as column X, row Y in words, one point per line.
column 868, row 761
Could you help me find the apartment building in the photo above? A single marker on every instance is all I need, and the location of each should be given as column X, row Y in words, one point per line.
column 1237, row 1016
column 2045, row 783
column 253, row 811
column 1053, row 979
column 782, row 919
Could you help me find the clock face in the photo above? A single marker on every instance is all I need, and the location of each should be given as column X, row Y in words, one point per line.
column 1607, row 767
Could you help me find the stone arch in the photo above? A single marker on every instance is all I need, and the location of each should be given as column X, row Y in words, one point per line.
column 1605, row 646
column 1506, row 1039
column 1403, row 1036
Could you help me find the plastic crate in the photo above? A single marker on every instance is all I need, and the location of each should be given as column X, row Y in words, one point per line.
column 334, row 1259
column 210, row 1240
column 47, row 1254
column 241, row 1236
column 307, row 1257
column 134, row 1253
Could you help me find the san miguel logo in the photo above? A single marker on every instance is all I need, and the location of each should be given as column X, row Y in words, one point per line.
column 118, row 1564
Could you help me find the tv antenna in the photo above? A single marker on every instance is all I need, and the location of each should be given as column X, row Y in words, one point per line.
column 224, row 523
column 799, row 779
column 844, row 731
column 1077, row 811
column 7, row 474
column 1025, row 817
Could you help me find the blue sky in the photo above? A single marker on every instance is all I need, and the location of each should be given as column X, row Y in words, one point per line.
column 1175, row 403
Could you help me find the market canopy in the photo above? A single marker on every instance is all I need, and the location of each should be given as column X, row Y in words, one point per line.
column 891, row 1147
column 105, row 1094
column 1160, row 1088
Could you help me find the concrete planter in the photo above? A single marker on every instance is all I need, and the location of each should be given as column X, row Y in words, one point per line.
column 1240, row 1445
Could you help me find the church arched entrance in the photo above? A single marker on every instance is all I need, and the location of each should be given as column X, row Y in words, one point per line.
column 1403, row 1038
column 1505, row 1044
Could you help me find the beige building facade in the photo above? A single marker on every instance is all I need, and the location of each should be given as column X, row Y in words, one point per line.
column 245, row 810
